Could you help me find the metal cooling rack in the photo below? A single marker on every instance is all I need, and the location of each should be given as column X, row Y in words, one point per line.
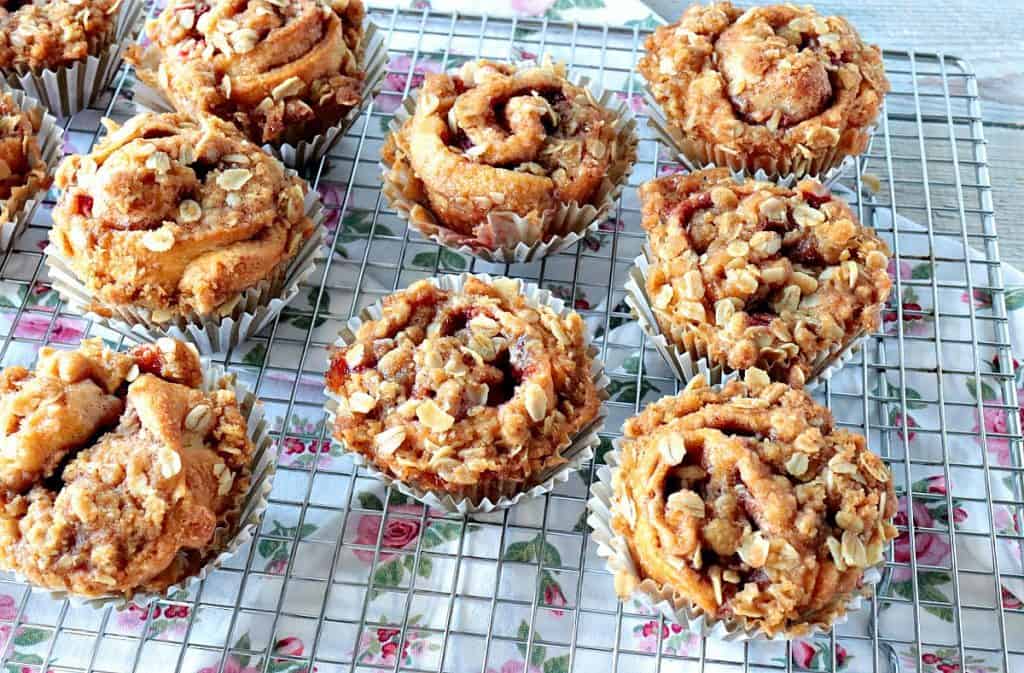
column 930, row 155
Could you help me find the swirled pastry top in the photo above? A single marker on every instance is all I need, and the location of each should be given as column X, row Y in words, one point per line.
column 177, row 216
column 774, row 80
column 22, row 169
column 152, row 464
column 281, row 70
column 750, row 504
column 453, row 388
column 54, row 33
column 500, row 138
column 760, row 275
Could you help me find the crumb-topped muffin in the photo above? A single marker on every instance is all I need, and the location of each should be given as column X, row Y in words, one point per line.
column 753, row 274
column 117, row 467
column 779, row 88
column 54, row 33
column 749, row 505
column 176, row 217
column 282, row 71
column 496, row 140
column 23, row 172
column 472, row 392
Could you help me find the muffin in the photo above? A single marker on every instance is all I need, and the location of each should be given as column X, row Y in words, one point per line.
column 745, row 506
column 500, row 156
column 64, row 52
column 23, row 171
column 283, row 72
column 171, row 221
column 780, row 89
column 752, row 274
column 120, row 470
column 466, row 389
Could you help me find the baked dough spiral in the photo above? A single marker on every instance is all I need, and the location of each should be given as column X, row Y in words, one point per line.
column 750, row 504
column 766, row 86
column 155, row 465
column 22, row 169
column 497, row 138
column 464, row 390
column 280, row 69
column 177, row 216
column 55, row 33
column 753, row 274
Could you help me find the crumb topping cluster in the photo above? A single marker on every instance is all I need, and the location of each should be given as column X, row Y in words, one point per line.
column 177, row 216
column 749, row 503
column 280, row 70
column 55, row 33
column 497, row 137
column 773, row 81
column 115, row 468
column 756, row 274
column 450, row 389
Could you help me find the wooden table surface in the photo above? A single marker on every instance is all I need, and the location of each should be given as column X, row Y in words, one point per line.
column 988, row 34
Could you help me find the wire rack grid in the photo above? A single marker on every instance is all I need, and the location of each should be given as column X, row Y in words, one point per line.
column 345, row 576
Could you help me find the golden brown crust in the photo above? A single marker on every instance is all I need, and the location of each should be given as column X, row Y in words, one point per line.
column 177, row 216
column 22, row 169
column 497, row 138
column 281, row 71
column 755, row 274
column 749, row 503
column 768, row 83
column 449, row 390
column 54, row 33
column 157, row 466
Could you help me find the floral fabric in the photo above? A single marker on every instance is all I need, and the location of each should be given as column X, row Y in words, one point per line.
column 336, row 551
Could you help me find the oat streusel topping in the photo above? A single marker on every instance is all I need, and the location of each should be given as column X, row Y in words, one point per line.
column 749, row 503
column 177, row 216
column 776, row 81
column 497, row 137
column 115, row 468
column 460, row 389
column 282, row 70
column 755, row 274
column 22, row 169
column 54, row 33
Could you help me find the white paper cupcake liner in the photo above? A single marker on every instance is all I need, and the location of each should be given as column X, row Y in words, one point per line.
column 697, row 155
column 565, row 226
column 247, row 513
column 687, row 363
column 373, row 62
column 578, row 451
column 254, row 309
column 65, row 91
column 49, row 138
column 660, row 599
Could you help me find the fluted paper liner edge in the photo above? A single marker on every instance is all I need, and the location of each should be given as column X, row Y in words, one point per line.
column 571, row 222
column 50, row 137
column 254, row 309
column 248, row 511
column 373, row 62
column 579, row 450
column 687, row 364
column 661, row 599
column 70, row 89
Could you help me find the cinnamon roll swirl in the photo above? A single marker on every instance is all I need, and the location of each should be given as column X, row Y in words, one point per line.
column 747, row 504
column 499, row 139
column 778, row 88
column 281, row 70
column 752, row 274
column 175, row 216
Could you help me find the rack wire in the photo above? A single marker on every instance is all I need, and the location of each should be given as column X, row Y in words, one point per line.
column 327, row 587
